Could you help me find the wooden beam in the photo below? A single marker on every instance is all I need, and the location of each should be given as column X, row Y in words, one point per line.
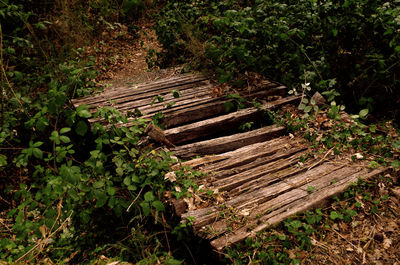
column 228, row 143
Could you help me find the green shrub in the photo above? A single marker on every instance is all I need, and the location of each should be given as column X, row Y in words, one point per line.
column 350, row 46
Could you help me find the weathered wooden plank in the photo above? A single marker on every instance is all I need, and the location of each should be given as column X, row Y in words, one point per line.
column 275, row 153
column 264, row 158
column 165, row 84
column 151, row 100
column 230, row 159
column 228, row 143
column 143, row 99
column 303, row 204
column 181, row 103
column 235, row 166
column 185, row 111
column 257, row 212
column 149, row 110
column 218, row 124
column 263, row 194
column 250, row 177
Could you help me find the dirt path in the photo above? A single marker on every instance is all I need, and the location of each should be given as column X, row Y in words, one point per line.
column 121, row 56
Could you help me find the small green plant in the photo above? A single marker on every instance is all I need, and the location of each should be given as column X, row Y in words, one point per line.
column 246, row 126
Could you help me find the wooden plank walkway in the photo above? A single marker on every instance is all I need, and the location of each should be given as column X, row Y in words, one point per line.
column 259, row 177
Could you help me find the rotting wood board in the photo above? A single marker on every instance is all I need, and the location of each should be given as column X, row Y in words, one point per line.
column 259, row 177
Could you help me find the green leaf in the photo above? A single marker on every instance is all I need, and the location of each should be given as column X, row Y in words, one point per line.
column 296, row 224
column 65, row 139
column 98, row 184
column 37, row 144
column 84, row 216
column 135, row 179
column 111, row 191
column 71, row 173
column 363, row 113
column 172, row 261
column 83, row 112
column 335, row 215
column 55, row 137
column 81, row 128
column 175, row 93
column 3, row 160
column 149, row 196
column 160, row 98
column 40, row 25
column 37, row 153
column 65, row 130
column 101, row 198
column 307, row 109
column 132, row 187
column 145, row 207
column 127, row 181
column 158, row 205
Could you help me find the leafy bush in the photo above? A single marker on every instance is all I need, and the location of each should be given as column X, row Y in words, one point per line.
column 350, row 46
column 68, row 191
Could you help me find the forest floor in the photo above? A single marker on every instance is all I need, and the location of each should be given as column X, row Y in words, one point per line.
column 121, row 58
column 372, row 237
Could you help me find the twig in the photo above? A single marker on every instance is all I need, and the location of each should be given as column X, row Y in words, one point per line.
column 137, row 197
column 357, row 248
column 322, row 159
column 40, row 241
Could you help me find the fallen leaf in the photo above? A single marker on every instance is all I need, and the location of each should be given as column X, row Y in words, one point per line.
column 170, row 176
column 387, row 242
column 245, row 212
column 190, row 203
column 359, row 156
column 220, row 199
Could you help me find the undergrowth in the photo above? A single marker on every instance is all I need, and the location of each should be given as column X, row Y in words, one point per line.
column 350, row 47
column 75, row 193
column 307, row 238
column 71, row 193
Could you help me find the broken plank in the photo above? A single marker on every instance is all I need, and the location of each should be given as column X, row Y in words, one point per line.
column 228, row 143
column 218, row 124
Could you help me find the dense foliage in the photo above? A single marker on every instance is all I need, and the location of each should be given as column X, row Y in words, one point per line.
column 351, row 47
column 71, row 192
